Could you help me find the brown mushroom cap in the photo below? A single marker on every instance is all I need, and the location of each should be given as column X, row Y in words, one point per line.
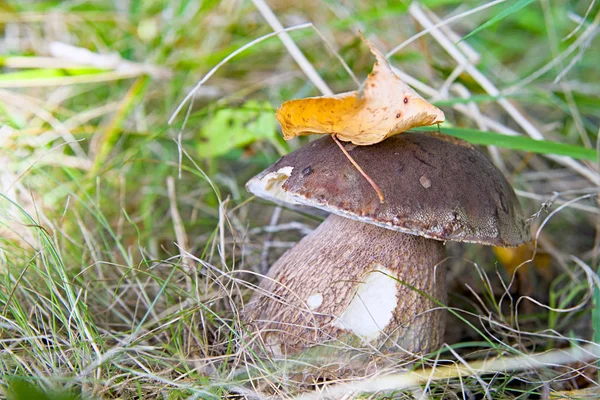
column 435, row 186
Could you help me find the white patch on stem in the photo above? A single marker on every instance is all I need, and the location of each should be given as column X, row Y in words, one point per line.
column 314, row 301
column 273, row 345
column 372, row 308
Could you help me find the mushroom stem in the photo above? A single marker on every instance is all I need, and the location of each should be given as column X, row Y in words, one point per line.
column 350, row 283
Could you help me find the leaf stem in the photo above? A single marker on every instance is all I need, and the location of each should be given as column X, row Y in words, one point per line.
column 363, row 173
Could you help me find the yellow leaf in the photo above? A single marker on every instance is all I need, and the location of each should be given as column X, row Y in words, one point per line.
column 383, row 106
column 514, row 257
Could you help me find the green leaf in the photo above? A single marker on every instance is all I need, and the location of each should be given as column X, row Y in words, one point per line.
column 231, row 128
column 20, row 389
column 517, row 143
column 516, row 6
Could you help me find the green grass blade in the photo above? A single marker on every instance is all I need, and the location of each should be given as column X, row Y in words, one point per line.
column 111, row 135
column 516, row 6
column 55, row 77
column 596, row 316
column 517, row 143
column 46, row 73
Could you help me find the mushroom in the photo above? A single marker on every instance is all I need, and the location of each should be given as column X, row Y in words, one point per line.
column 372, row 275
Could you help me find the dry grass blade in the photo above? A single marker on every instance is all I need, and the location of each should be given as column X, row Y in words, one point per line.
column 192, row 93
column 406, row 380
column 293, row 49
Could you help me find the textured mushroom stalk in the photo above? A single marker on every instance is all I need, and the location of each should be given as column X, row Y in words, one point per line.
column 350, row 283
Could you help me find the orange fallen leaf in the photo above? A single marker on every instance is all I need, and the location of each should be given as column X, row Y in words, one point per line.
column 516, row 257
column 528, row 279
column 383, row 106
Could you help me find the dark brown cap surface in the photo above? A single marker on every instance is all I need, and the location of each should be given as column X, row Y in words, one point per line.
column 434, row 186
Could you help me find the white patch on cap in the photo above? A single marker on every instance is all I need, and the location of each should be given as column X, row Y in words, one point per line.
column 314, row 301
column 372, row 308
column 270, row 186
